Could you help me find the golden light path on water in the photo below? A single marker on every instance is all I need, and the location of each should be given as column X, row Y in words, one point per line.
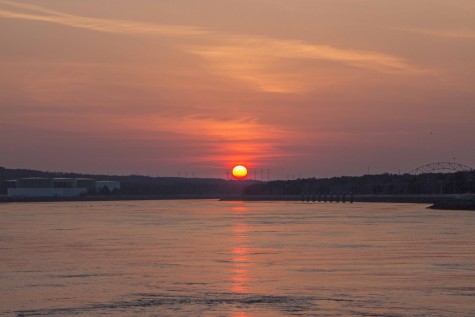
column 237, row 259
column 240, row 251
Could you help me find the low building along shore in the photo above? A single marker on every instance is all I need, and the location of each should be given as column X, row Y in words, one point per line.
column 58, row 187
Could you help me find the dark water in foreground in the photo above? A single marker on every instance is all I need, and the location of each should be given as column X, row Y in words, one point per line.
column 210, row 258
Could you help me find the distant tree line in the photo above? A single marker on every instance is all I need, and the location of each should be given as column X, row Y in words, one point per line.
column 180, row 186
column 140, row 185
column 383, row 184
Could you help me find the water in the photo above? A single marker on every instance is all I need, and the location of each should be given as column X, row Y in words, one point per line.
column 211, row 258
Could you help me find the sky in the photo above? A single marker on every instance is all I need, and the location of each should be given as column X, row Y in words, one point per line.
column 288, row 88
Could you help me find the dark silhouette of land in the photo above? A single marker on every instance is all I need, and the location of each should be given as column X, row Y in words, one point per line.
column 382, row 184
column 134, row 186
column 443, row 188
column 465, row 202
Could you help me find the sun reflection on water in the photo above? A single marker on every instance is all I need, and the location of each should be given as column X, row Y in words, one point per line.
column 240, row 277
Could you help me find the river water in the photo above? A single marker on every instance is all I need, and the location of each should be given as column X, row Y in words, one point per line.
column 236, row 259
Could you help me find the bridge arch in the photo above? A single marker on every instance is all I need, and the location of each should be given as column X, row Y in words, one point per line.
column 441, row 166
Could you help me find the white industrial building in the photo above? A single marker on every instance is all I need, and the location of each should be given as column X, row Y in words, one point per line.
column 58, row 187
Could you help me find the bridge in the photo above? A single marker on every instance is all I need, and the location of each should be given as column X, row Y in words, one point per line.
column 441, row 167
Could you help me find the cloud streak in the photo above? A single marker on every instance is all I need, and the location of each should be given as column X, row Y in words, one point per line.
column 256, row 59
column 39, row 13
column 242, row 139
column 247, row 58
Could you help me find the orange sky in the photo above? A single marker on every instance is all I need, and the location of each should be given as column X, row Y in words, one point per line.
column 306, row 88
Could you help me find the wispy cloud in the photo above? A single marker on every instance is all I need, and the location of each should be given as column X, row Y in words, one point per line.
column 244, row 139
column 248, row 58
column 38, row 13
column 256, row 59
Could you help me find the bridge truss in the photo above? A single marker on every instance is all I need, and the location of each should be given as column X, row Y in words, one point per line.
column 441, row 166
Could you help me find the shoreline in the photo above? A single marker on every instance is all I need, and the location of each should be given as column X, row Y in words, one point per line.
column 422, row 199
column 419, row 199
column 5, row 199
column 436, row 202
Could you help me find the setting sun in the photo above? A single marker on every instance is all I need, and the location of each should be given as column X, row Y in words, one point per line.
column 239, row 171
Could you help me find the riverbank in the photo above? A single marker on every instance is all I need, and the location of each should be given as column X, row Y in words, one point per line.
column 465, row 202
column 422, row 199
column 6, row 199
column 418, row 199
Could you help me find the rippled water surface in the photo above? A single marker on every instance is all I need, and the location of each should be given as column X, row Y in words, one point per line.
column 211, row 258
